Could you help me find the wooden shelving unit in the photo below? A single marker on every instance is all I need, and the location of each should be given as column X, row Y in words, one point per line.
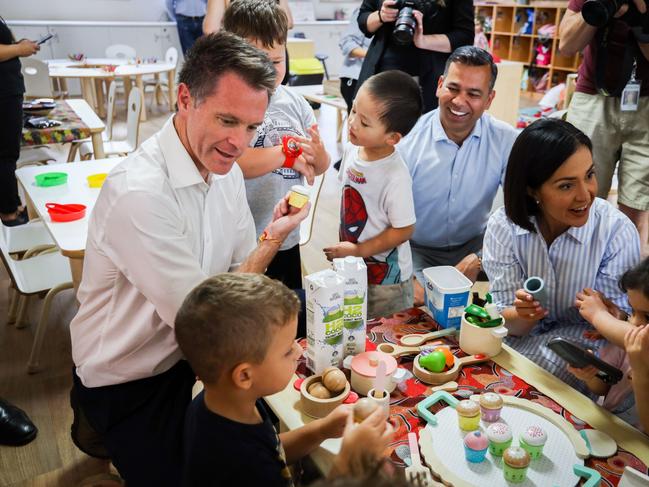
column 507, row 20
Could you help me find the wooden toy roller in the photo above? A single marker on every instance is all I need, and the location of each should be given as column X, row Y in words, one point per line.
column 442, row 377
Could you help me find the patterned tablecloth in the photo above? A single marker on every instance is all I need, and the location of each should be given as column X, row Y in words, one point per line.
column 71, row 128
column 473, row 379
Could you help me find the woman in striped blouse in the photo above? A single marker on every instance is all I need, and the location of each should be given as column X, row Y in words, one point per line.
column 554, row 227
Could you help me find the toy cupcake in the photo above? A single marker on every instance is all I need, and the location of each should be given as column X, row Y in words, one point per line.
column 490, row 405
column 468, row 415
column 475, row 446
column 515, row 463
column 532, row 440
column 500, row 438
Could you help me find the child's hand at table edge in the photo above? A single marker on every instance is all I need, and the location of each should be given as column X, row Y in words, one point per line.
column 333, row 424
column 341, row 249
column 363, row 445
column 590, row 305
column 636, row 344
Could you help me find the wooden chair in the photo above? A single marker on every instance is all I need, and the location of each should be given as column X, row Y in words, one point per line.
column 158, row 83
column 37, row 79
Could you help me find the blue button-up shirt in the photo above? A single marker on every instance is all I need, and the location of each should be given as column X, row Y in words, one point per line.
column 454, row 186
column 188, row 8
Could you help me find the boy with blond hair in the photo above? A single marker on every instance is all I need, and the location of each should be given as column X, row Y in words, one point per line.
column 287, row 149
column 237, row 332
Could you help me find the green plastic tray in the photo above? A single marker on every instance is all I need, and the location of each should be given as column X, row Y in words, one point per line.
column 51, row 179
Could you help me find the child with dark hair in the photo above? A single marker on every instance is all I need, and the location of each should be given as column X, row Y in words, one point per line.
column 377, row 210
column 237, row 332
column 631, row 360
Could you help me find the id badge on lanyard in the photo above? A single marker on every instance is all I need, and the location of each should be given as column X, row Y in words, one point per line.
column 631, row 93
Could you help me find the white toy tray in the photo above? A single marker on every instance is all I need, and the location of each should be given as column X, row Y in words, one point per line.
column 443, row 449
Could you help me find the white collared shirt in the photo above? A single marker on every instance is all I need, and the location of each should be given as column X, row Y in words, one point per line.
column 157, row 230
column 594, row 255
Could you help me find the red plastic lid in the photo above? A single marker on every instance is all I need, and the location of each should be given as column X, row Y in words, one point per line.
column 366, row 363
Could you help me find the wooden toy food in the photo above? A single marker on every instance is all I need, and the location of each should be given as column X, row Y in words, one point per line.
column 515, row 463
column 433, row 362
column 532, row 440
column 500, row 438
column 450, row 358
column 334, row 380
column 490, row 406
column 442, row 377
column 475, row 446
column 363, row 408
column 468, row 415
column 316, row 400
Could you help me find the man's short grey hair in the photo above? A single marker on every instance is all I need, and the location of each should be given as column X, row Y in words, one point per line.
column 215, row 55
column 473, row 56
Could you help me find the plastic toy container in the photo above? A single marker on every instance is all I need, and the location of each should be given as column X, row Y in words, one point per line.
column 65, row 213
column 447, row 294
column 47, row 179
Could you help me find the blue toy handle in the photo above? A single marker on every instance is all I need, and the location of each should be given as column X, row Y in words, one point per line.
column 439, row 396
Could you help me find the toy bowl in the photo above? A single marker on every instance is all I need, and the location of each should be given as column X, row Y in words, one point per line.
column 65, row 213
column 314, row 406
column 96, row 180
column 47, row 179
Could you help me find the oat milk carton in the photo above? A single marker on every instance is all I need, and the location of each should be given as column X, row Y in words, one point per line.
column 324, row 319
column 354, row 270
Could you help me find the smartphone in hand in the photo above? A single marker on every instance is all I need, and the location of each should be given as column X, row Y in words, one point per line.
column 44, row 39
column 579, row 358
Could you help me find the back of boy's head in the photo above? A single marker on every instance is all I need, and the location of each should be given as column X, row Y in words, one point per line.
column 637, row 278
column 399, row 97
column 229, row 319
column 258, row 20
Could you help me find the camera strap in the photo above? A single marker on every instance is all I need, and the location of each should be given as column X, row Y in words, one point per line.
column 628, row 63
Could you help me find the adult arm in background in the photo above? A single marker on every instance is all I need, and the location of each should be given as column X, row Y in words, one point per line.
column 22, row 48
column 171, row 9
column 462, row 29
column 214, row 15
column 369, row 18
column 352, row 41
column 575, row 33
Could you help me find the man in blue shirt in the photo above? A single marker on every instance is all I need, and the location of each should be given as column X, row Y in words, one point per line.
column 457, row 156
column 189, row 15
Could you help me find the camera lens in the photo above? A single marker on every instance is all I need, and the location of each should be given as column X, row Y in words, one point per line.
column 598, row 12
column 405, row 25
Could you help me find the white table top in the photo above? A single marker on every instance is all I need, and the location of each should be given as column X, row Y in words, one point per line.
column 316, row 93
column 70, row 237
column 86, row 114
column 65, row 68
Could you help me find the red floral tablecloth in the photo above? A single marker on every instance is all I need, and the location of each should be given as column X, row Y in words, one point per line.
column 473, row 379
column 71, row 128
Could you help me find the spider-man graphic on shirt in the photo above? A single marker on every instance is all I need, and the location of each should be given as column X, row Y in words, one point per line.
column 353, row 217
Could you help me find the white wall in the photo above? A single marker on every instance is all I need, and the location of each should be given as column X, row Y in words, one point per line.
column 133, row 10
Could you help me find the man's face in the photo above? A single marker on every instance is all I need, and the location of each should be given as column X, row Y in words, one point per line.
column 463, row 96
column 220, row 127
column 277, row 55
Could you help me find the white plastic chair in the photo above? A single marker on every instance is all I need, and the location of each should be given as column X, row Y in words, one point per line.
column 31, row 236
column 107, row 134
column 37, row 78
column 36, row 273
column 122, row 147
column 159, row 84
column 35, row 156
column 120, row 51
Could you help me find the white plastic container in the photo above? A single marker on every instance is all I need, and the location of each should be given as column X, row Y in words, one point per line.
column 447, row 294
column 324, row 319
column 354, row 270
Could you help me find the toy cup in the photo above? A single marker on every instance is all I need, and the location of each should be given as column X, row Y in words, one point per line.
column 536, row 287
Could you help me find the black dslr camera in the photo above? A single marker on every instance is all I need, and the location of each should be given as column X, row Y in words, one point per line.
column 406, row 24
column 598, row 13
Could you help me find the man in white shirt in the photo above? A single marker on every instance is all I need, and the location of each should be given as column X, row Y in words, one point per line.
column 170, row 215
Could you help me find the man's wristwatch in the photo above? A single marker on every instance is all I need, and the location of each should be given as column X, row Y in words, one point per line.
column 291, row 149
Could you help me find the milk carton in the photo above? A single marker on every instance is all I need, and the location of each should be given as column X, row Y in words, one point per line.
column 354, row 270
column 324, row 319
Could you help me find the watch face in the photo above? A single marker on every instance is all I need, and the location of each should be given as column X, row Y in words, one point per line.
column 292, row 145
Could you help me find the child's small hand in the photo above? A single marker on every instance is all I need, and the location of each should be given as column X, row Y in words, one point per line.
column 333, row 424
column 313, row 148
column 363, row 444
column 587, row 373
column 341, row 249
column 590, row 305
column 636, row 344
column 305, row 168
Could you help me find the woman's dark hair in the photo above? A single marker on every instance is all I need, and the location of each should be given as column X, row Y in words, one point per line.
column 538, row 152
column 637, row 278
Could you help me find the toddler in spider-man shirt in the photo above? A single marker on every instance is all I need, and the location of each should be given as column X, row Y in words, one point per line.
column 377, row 211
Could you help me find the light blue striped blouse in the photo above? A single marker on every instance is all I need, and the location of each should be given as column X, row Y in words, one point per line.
column 594, row 255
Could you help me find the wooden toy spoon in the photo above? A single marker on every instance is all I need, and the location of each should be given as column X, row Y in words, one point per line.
column 417, row 339
column 399, row 351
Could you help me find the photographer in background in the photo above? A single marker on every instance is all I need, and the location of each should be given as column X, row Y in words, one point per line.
column 424, row 40
column 611, row 102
